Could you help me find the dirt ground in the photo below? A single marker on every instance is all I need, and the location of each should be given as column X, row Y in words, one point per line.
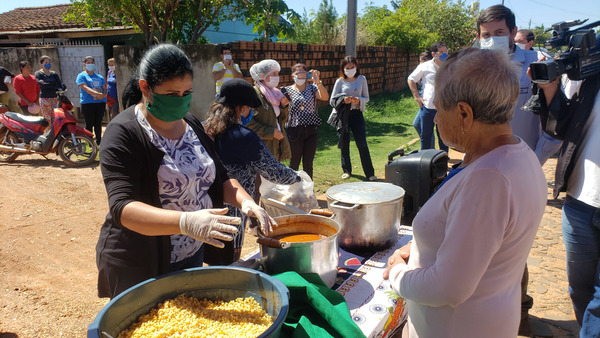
column 50, row 217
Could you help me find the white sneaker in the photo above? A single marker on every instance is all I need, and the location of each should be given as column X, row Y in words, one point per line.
column 373, row 178
column 345, row 176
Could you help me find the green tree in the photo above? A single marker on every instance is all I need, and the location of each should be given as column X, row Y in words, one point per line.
column 303, row 30
column 541, row 35
column 325, row 22
column 193, row 17
column 267, row 15
column 321, row 27
column 180, row 21
column 151, row 18
column 415, row 24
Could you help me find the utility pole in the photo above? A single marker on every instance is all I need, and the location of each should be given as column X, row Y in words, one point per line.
column 351, row 28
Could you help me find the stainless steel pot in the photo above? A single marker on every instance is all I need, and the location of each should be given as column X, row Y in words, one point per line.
column 320, row 256
column 369, row 214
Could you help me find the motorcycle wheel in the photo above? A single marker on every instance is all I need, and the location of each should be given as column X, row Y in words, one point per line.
column 7, row 156
column 79, row 154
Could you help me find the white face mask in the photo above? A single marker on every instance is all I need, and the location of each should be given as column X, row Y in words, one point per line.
column 350, row 72
column 227, row 57
column 111, row 68
column 298, row 81
column 495, row 43
column 273, row 82
column 521, row 45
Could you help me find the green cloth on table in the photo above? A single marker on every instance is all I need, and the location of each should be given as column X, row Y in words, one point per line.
column 315, row 310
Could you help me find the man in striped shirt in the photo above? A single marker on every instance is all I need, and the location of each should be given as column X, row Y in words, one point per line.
column 225, row 70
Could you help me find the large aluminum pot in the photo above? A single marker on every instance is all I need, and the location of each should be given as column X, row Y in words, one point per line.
column 320, row 256
column 368, row 212
column 214, row 283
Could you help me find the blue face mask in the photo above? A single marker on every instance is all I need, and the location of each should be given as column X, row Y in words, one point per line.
column 246, row 120
column 47, row 65
column 443, row 57
column 90, row 66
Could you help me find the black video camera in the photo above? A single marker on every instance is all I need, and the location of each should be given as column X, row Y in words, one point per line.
column 576, row 61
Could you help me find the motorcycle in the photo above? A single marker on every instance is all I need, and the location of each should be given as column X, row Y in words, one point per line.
column 22, row 134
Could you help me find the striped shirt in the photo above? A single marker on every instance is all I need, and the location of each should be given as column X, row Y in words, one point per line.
column 219, row 66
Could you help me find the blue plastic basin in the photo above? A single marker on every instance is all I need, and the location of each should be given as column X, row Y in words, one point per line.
column 216, row 282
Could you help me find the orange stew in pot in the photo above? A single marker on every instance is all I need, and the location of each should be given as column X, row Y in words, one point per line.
column 300, row 237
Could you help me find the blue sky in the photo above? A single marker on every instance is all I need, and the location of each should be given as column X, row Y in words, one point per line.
column 538, row 12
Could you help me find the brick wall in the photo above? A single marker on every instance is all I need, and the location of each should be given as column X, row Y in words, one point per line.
column 385, row 68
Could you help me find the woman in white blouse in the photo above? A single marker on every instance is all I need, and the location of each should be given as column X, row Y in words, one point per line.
column 349, row 96
column 472, row 237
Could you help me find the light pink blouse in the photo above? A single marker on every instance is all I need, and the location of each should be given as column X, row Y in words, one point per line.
column 471, row 241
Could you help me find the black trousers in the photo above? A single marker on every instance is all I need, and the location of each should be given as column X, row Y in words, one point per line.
column 303, row 144
column 93, row 113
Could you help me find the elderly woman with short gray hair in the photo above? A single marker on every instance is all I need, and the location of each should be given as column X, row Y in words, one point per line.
column 461, row 274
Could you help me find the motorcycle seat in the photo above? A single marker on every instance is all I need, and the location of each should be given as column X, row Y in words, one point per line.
column 26, row 119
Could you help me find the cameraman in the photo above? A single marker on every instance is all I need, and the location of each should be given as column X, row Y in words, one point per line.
column 578, row 173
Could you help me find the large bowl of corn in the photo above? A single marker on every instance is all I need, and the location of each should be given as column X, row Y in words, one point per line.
column 217, row 283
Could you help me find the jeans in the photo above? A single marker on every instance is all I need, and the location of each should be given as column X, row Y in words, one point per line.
column 303, row 144
column 581, row 235
column 424, row 125
column 356, row 123
column 93, row 113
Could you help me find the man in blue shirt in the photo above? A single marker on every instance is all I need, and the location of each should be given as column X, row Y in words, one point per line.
column 496, row 29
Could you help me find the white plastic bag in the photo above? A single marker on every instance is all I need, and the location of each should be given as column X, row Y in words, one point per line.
column 300, row 194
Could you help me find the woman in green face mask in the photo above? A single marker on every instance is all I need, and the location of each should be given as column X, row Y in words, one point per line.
column 165, row 183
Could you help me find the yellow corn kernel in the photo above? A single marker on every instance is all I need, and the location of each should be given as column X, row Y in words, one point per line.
column 191, row 317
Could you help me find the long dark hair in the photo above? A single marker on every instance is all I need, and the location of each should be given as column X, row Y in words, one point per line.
column 348, row 59
column 220, row 117
column 160, row 63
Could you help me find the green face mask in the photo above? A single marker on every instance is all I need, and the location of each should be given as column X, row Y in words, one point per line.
column 169, row 108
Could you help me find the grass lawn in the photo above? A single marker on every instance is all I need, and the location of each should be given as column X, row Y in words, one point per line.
column 388, row 119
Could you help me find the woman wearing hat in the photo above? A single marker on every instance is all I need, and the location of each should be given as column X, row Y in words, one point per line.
column 272, row 113
column 240, row 149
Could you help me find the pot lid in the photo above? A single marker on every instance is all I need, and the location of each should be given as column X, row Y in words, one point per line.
column 365, row 192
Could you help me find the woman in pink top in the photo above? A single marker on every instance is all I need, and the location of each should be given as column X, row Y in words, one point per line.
column 472, row 237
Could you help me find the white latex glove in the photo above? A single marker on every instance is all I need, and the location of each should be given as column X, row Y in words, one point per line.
column 209, row 226
column 267, row 223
